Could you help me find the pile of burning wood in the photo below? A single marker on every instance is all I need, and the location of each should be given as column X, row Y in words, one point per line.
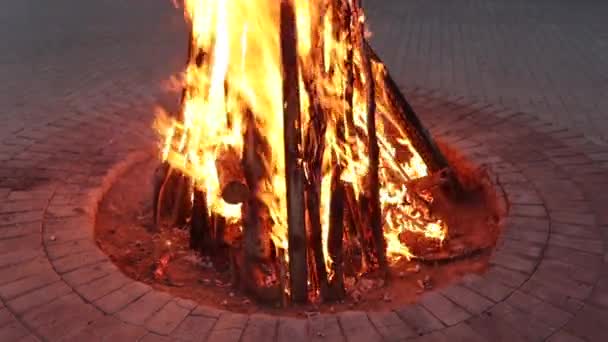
column 295, row 160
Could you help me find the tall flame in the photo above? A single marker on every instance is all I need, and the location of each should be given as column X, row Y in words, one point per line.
column 235, row 71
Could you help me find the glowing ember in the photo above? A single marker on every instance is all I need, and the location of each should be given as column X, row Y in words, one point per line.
column 234, row 79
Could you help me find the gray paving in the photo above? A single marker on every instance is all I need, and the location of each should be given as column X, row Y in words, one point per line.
column 547, row 57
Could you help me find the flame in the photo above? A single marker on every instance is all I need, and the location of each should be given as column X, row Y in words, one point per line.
column 235, row 71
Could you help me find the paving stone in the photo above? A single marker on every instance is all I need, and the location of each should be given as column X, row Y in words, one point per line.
column 324, row 327
column 28, row 268
column 59, row 249
column 492, row 328
column 229, row 327
column 599, row 295
column 194, row 328
column 487, row 287
column 508, row 259
column 431, row 337
column 527, row 224
column 13, row 331
column 538, row 309
column 18, row 230
column 260, row 327
column 9, row 219
column 462, row 332
column 15, row 258
column 574, row 218
column 167, row 318
column 203, row 310
column 5, row 316
column 27, row 284
column 562, row 336
column 357, row 327
column 19, row 243
column 587, row 275
column 565, row 229
column 38, row 297
column 528, row 210
column 120, row 298
column 87, row 274
column 107, row 328
column 186, row 303
column 584, row 245
column 73, row 262
column 467, row 299
column 138, row 311
column 390, row 326
column 419, row 319
column 61, row 317
column 98, row 288
column 444, row 309
column 292, row 330
column 589, row 324
column 152, row 337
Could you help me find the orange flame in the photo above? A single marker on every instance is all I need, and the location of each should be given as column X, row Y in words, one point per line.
column 241, row 73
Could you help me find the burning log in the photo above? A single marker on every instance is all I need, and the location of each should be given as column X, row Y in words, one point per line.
column 343, row 83
column 373, row 150
column 294, row 172
column 231, row 176
column 335, row 238
column 200, row 232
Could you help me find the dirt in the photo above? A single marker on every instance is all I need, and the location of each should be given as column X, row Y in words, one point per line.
column 125, row 231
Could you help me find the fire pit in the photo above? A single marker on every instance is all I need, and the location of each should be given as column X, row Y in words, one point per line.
column 296, row 171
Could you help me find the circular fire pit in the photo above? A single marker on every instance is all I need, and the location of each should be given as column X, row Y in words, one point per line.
column 297, row 172
column 126, row 231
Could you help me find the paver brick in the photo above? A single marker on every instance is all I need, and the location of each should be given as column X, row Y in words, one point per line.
column 444, row 309
column 467, row 299
column 292, row 330
column 138, row 311
column 118, row 299
column 324, row 327
column 487, row 287
column 29, row 283
column 100, row 287
column 390, row 326
column 61, row 317
column 260, row 327
column 38, row 297
column 87, row 274
column 167, row 318
column 12, row 331
column 73, row 262
column 194, row 328
column 419, row 319
column 107, row 328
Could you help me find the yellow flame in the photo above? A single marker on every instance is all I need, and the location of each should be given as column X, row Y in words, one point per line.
column 235, row 69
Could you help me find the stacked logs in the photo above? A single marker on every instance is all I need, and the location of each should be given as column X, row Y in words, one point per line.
column 355, row 243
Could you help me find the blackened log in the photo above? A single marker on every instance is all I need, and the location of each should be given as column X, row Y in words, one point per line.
column 200, row 232
column 419, row 136
column 294, row 174
column 181, row 200
column 335, row 239
column 374, row 154
column 160, row 179
column 231, row 176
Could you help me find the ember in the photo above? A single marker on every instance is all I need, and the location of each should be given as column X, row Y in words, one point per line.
column 295, row 159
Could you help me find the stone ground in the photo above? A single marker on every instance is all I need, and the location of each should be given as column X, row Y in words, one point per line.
column 499, row 80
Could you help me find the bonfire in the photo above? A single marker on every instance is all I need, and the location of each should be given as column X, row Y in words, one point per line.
column 294, row 159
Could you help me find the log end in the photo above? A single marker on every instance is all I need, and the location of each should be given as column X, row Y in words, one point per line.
column 235, row 192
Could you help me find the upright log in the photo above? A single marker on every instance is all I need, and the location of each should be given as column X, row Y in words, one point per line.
column 374, row 152
column 294, row 172
column 200, row 232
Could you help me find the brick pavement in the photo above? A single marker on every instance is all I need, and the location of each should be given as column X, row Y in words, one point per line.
column 542, row 57
column 73, row 124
